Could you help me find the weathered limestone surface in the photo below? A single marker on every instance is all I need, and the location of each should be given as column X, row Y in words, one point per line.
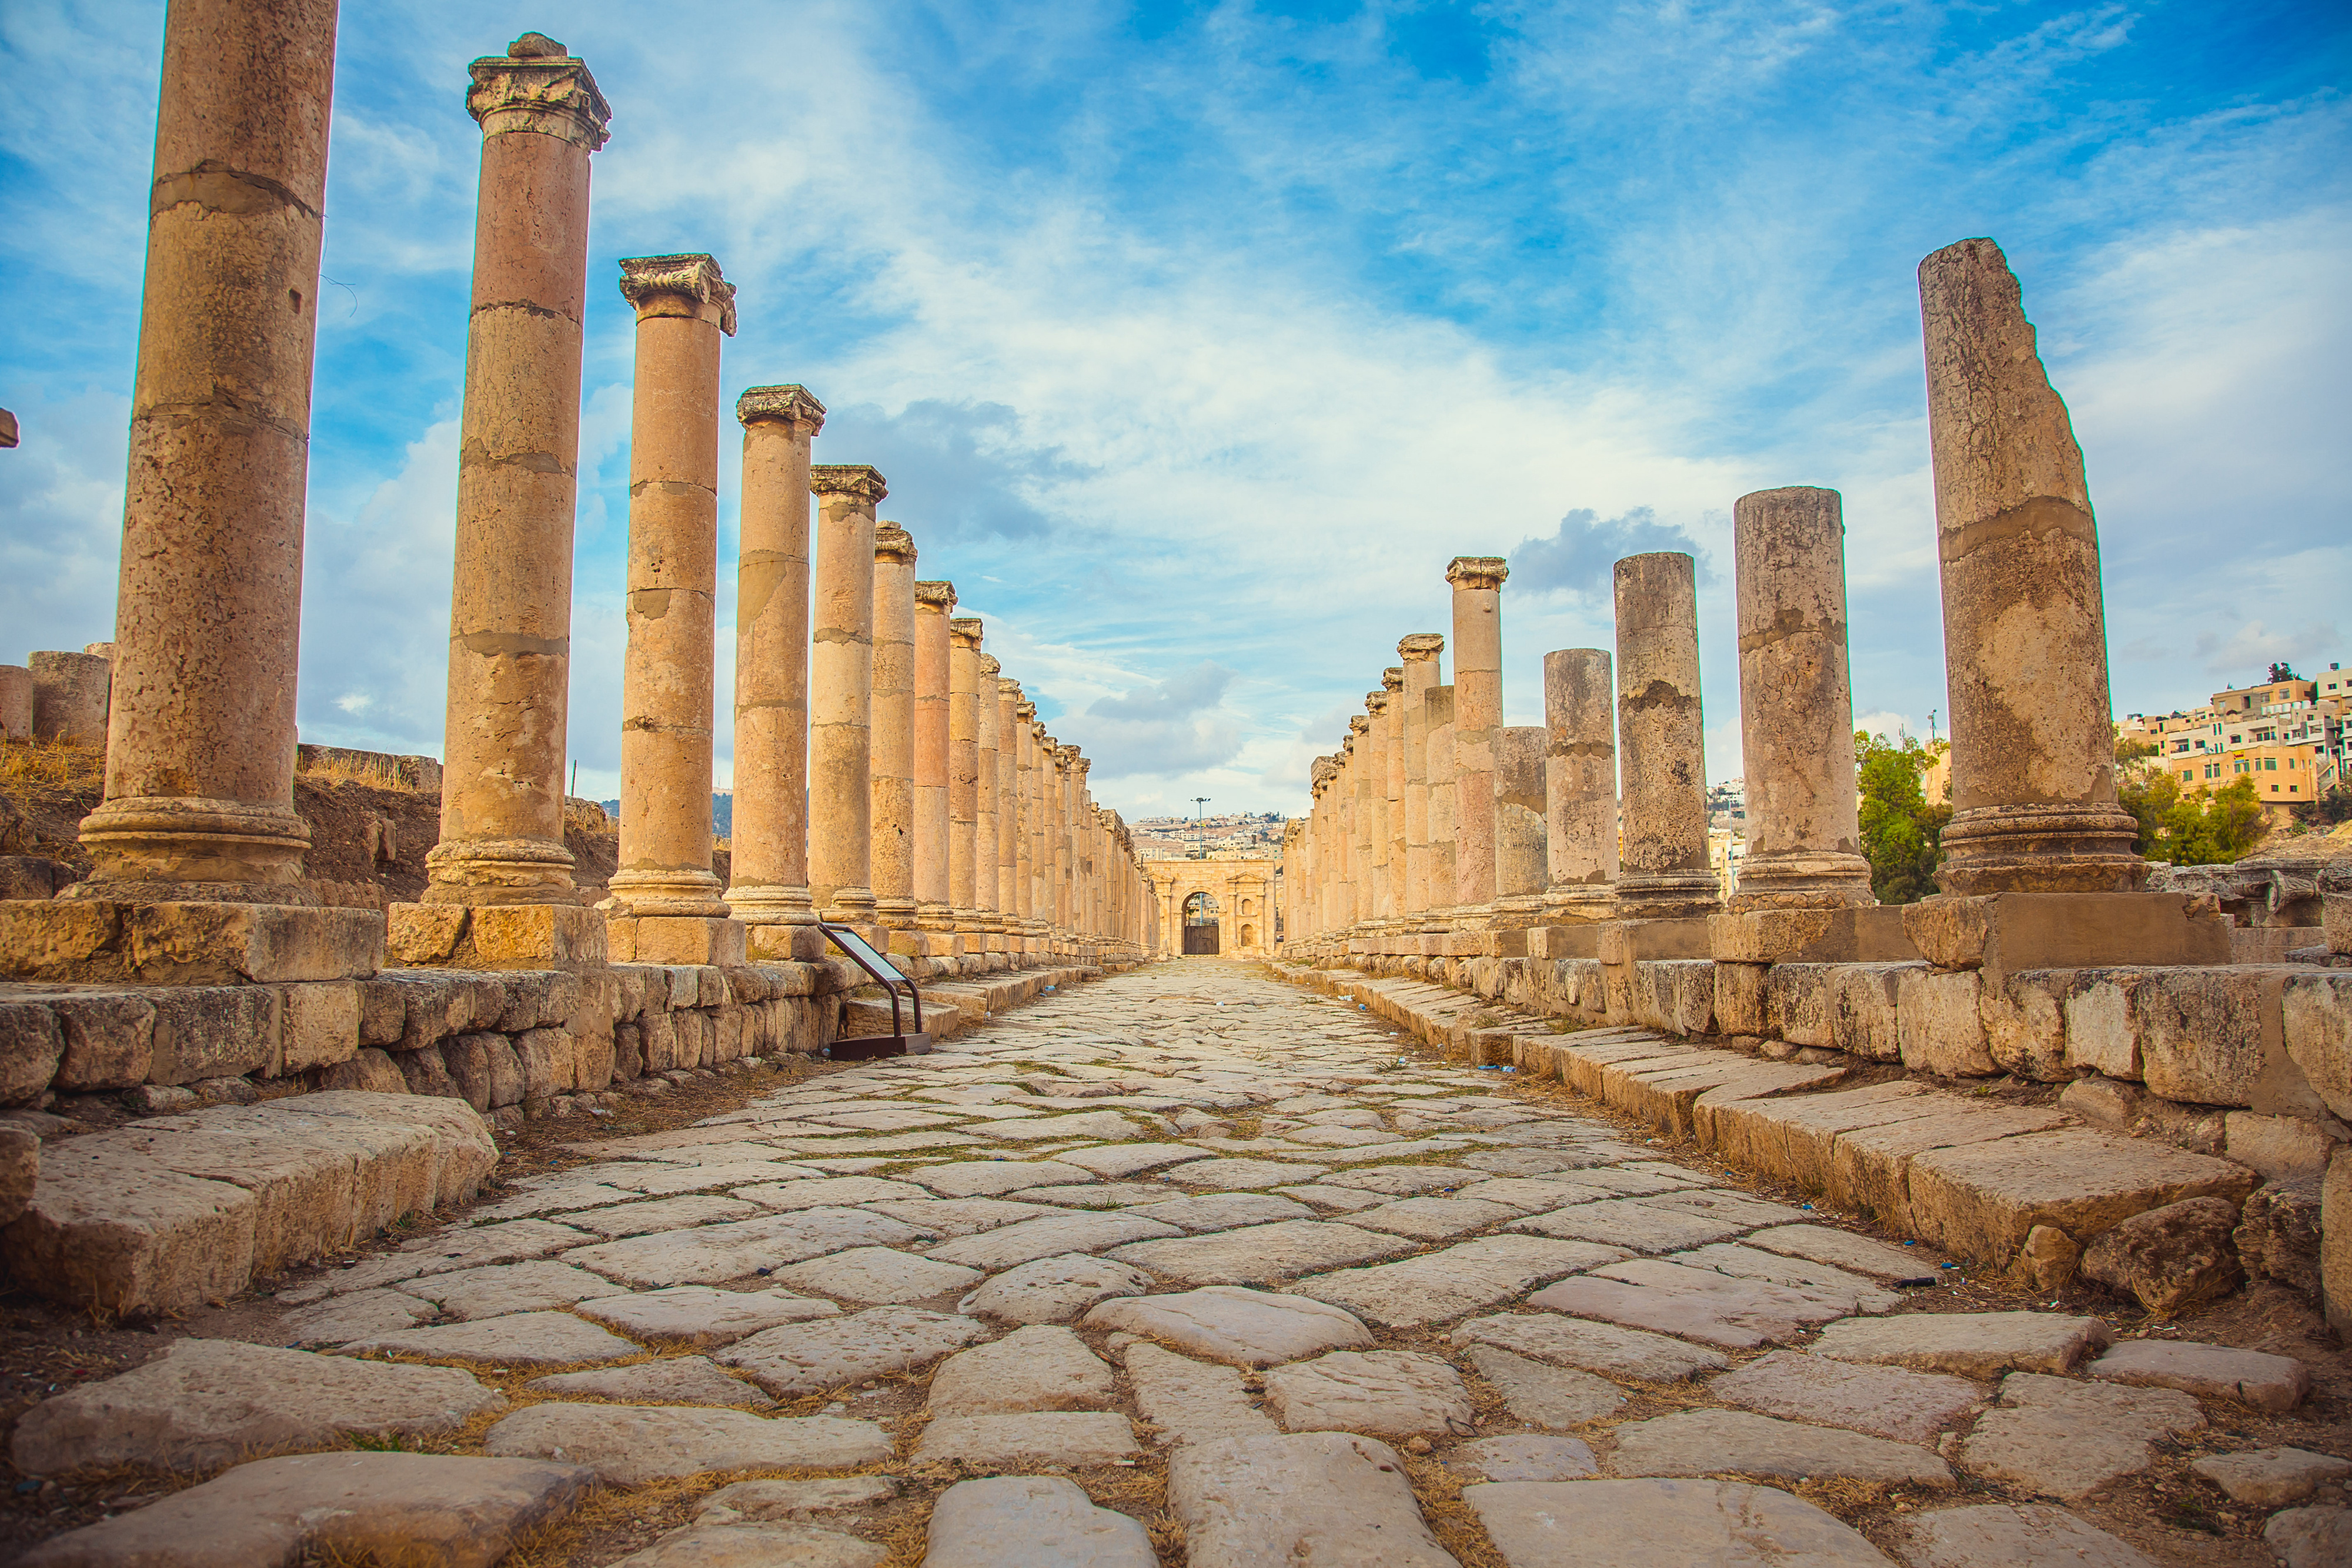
column 629, row 1445
column 1475, row 709
column 1316, row 1497
column 1658, row 1523
column 1031, row 1522
column 1580, row 784
column 1664, row 872
column 841, row 693
column 892, row 760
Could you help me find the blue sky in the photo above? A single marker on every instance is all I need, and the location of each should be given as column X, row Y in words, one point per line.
column 1195, row 340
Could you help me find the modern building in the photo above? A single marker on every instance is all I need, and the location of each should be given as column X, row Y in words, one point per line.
column 2287, row 736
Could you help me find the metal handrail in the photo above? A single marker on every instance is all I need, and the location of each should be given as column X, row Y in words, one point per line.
column 888, row 977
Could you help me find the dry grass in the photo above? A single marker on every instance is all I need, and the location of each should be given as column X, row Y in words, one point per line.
column 33, row 770
column 585, row 817
column 375, row 773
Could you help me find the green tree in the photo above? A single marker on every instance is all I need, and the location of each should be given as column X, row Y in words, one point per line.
column 1902, row 831
column 2192, row 827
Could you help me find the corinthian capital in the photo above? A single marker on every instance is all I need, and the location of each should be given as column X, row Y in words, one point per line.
column 940, row 596
column 1477, row 572
column 1419, row 646
column 537, row 86
column 655, row 284
column 858, row 481
column 893, row 543
column 786, row 403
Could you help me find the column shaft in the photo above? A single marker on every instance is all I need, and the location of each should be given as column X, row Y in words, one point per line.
column 985, row 896
column 200, row 741
column 1579, row 786
column 1520, row 869
column 893, row 785
column 963, row 764
column 841, row 693
column 1661, row 747
column 1477, row 714
column 2025, row 645
column 1008, row 809
column 934, row 602
column 769, row 865
column 1796, row 707
column 1392, row 906
column 1444, row 884
column 684, row 310
column 1420, row 653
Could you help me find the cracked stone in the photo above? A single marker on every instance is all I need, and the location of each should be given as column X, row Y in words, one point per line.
column 1191, row 1401
column 1972, row 1345
column 1544, row 1396
column 1048, row 1236
column 1223, row 1211
column 629, row 1445
column 715, row 1253
column 1707, row 1442
column 1437, row 1286
column 525, row 1339
column 1034, row 1437
column 758, row 1503
column 1997, row 1535
column 1844, row 1249
column 1308, row 1499
column 679, row 1380
column 1240, row 1327
column 1523, row 1457
column 1038, row 1367
column 2066, row 1439
column 2275, row 1383
column 1605, row 1348
column 700, row 1316
column 1385, row 1393
column 816, row 1357
column 1031, row 1522
column 504, row 1288
column 877, row 1276
column 1662, row 1523
column 2271, row 1478
column 1053, row 1289
column 1261, row 1254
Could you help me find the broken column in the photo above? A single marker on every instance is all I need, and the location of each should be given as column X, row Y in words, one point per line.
column 15, row 702
column 934, row 602
column 1579, row 787
column 1419, row 652
column 1796, row 708
column 1662, row 748
column 1520, row 869
column 666, row 905
column 1477, row 714
column 2025, row 651
column 893, row 746
column 841, row 694
column 769, row 889
column 964, row 769
column 198, row 803
column 2040, row 866
column 69, row 695
column 501, row 844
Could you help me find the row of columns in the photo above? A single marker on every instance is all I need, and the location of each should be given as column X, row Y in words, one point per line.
column 889, row 776
column 1600, row 814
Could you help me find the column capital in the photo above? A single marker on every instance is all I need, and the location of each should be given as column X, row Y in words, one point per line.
column 1392, row 679
column 1420, row 646
column 859, row 481
column 1322, row 771
column 1376, row 702
column 938, row 596
column 793, row 403
column 1052, row 747
column 1025, row 712
column 893, row 543
column 1068, row 755
column 989, row 667
column 1477, row 572
column 1358, row 724
column 966, row 631
column 1082, row 762
column 537, row 85
column 1007, row 687
column 646, row 281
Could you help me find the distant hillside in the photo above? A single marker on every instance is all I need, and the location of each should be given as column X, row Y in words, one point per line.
column 722, row 812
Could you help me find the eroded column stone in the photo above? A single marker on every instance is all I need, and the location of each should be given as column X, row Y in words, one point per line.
column 1662, row 746
column 664, row 883
column 1420, row 653
column 199, row 801
column 2033, row 786
column 1477, row 714
column 1443, row 884
column 1372, row 797
column 1796, row 707
column 1011, row 894
column 985, row 879
column 840, row 695
column 517, row 479
column 1358, row 777
column 1026, row 874
column 934, row 603
column 1520, row 868
column 1579, row 786
column 893, row 746
column 1392, row 753
column 769, row 878
column 963, row 766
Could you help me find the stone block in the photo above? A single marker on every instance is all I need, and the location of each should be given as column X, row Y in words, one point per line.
column 2281, row 1148
column 201, row 944
column 2336, row 919
column 20, row 1170
column 1866, row 934
column 426, row 1072
column 2007, row 931
column 1863, row 1008
column 214, row 1032
column 2102, row 1024
column 107, row 1227
column 2316, row 1032
column 61, row 939
column 2335, row 1242
column 369, row 1071
column 2207, row 1036
column 2025, row 1024
column 32, row 877
column 1798, row 1005
column 2170, row 1258
column 383, row 1009
column 468, row 1058
column 677, row 940
column 505, row 1070
column 496, row 936
column 547, row 1060
column 1739, row 1003
column 31, row 1046
column 1979, row 1200
column 1659, row 1523
column 2278, row 1234
column 319, row 1025
column 1940, row 1022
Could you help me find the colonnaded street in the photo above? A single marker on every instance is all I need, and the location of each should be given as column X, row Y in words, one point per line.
column 1186, row 1264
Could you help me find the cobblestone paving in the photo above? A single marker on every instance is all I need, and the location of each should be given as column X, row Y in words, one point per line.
column 1181, row 1265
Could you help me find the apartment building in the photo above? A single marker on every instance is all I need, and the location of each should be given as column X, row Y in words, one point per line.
column 2287, row 736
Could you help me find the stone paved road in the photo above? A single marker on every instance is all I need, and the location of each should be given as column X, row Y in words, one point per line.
column 1192, row 1249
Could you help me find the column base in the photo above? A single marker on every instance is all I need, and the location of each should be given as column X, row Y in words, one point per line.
column 496, row 936
column 2004, row 933
column 1675, row 895
column 675, row 939
column 1801, row 880
column 499, row 871
column 2088, row 848
column 686, row 894
column 98, row 941
column 249, row 853
column 1515, row 912
column 1871, row 934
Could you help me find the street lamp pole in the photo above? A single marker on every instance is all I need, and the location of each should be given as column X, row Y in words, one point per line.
column 1199, row 801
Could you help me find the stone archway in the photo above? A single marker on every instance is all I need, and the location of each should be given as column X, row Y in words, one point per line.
column 1200, row 925
column 1234, row 898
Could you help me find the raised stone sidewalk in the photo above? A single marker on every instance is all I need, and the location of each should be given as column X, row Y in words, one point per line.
column 1191, row 1265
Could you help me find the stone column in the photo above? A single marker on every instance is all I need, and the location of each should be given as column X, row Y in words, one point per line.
column 15, row 702
column 518, row 477
column 1477, row 714
column 1520, row 856
column 1420, row 653
column 1662, row 749
column 769, row 885
column 984, row 900
column 1580, row 787
column 1372, row 794
column 664, row 883
column 964, row 768
column 893, row 787
column 1011, row 892
column 934, row 602
column 2025, row 652
column 1443, row 884
column 1796, row 707
column 841, row 696
column 1082, row 853
column 1320, row 774
column 199, row 801
column 1024, row 844
column 1393, row 790
column 1066, row 845
column 1356, row 755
